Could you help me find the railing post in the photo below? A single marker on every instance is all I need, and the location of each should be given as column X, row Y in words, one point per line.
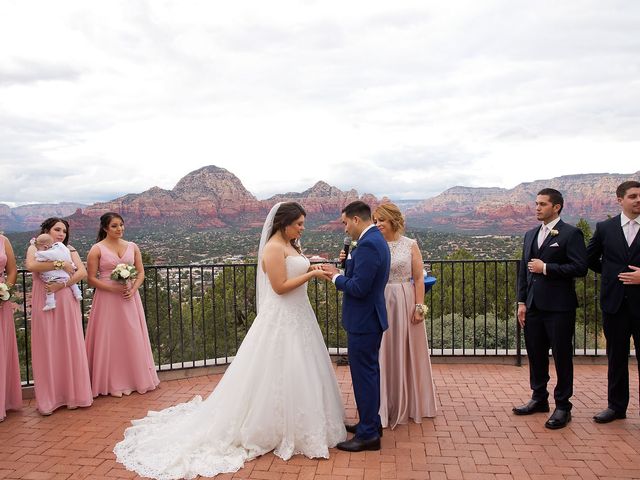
column 488, row 283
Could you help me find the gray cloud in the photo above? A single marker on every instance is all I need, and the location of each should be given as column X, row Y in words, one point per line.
column 24, row 71
column 401, row 99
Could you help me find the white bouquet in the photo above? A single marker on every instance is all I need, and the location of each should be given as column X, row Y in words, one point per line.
column 123, row 273
column 5, row 292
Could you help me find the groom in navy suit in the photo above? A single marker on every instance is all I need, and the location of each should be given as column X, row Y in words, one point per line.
column 364, row 317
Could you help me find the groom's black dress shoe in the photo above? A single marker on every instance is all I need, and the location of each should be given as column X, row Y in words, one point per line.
column 533, row 406
column 558, row 419
column 608, row 415
column 357, row 445
column 354, row 427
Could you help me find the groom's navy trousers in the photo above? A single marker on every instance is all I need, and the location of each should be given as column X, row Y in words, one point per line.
column 364, row 317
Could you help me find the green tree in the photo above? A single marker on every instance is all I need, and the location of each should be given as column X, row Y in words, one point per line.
column 586, row 229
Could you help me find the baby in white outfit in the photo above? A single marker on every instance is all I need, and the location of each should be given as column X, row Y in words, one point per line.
column 47, row 251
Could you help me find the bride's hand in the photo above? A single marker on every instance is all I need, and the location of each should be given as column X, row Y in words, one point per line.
column 320, row 274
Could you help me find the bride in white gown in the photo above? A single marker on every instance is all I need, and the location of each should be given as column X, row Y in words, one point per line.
column 280, row 392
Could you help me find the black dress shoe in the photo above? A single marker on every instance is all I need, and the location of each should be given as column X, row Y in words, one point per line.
column 558, row 419
column 608, row 415
column 357, row 445
column 353, row 428
column 533, row 406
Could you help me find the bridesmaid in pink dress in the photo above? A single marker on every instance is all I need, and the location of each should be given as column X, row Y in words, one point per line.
column 406, row 384
column 10, row 386
column 59, row 360
column 120, row 357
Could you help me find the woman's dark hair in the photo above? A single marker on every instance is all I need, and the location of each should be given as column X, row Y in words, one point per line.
column 287, row 213
column 105, row 220
column 50, row 222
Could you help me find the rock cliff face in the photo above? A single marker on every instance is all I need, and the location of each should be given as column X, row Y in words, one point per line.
column 321, row 199
column 589, row 196
column 29, row 217
column 208, row 197
column 213, row 197
column 323, row 203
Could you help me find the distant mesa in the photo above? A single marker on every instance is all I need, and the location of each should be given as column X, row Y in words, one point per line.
column 213, row 197
column 466, row 209
column 29, row 217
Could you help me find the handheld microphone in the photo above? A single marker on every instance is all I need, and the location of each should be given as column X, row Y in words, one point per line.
column 345, row 249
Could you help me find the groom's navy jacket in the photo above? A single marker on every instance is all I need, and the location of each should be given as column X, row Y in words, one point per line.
column 366, row 274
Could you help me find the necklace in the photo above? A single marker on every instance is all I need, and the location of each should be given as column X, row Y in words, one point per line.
column 393, row 246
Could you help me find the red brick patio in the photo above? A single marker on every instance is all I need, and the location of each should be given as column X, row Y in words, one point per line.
column 475, row 436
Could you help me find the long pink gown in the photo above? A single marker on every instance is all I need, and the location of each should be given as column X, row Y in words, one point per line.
column 120, row 357
column 406, row 384
column 10, row 387
column 59, row 359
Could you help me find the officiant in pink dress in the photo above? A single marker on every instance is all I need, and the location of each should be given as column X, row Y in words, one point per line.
column 10, row 387
column 118, row 347
column 406, row 383
column 59, row 359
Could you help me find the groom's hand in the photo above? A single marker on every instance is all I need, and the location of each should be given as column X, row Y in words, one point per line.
column 331, row 270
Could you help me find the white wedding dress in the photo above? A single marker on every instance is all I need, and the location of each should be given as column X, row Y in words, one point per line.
column 280, row 393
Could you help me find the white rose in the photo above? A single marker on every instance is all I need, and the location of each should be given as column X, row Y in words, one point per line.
column 125, row 273
column 5, row 295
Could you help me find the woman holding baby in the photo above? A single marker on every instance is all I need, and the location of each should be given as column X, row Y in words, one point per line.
column 60, row 369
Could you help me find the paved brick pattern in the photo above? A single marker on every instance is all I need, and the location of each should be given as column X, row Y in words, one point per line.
column 475, row 436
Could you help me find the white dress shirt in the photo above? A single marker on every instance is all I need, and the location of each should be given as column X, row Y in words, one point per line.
column 626, row 226
column 542, row 235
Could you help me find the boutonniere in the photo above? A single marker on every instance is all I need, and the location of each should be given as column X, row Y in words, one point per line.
column 354, row 245
column 553, row 232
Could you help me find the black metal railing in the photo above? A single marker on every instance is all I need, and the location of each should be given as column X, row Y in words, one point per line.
column 198, row 315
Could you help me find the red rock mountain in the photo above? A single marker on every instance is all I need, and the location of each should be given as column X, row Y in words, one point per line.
column 214, row 197
column 508, row 211
column 207, row 197
column 29, row 217
column 323, row 203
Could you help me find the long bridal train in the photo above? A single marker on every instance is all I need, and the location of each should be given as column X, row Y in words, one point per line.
column 279, row 393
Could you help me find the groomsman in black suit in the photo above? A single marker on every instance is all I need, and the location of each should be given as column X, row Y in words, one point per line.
column 553, row 254
column 614, row 251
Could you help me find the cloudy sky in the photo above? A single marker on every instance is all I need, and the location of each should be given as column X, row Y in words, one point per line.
column 398, row 98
